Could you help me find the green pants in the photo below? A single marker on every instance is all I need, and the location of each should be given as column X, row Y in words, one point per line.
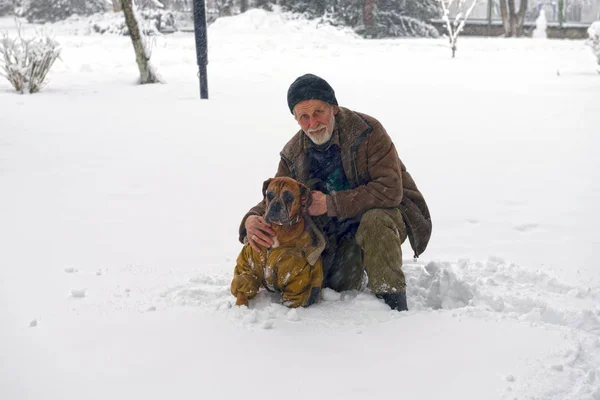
column 372, row 244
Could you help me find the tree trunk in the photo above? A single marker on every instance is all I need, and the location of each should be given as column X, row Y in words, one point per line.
column 117, row 6
column 368, row 8
column 513, row 20
column 521, row 18
column 505, row 18
column 512, row 17
column 147, row 74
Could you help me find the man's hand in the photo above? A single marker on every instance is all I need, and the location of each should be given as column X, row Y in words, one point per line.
column 318, row 205
column 258, row 232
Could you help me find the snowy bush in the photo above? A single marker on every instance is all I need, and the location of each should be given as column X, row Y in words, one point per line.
column 6, row 7
column 41, row 11
column 158, row 20
column 153, row 22
column 112, row 24
column 26, row 62
column 391, row 18
column 398, row 26
column 594, row 41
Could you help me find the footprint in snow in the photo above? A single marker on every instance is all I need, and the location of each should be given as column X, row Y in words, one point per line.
column 78, row 293
column 526, row 227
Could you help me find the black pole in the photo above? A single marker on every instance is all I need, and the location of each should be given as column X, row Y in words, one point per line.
column 201, row 45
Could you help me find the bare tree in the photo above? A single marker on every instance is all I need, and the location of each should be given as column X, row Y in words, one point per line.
column 140, row 45
column 512, row 19
column 455, row 27
column 117, row 5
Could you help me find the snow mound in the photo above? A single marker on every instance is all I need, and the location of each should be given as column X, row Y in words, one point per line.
column 437, row 286
column 493, row 289
column 281, row 24
column 109, row 23
column 75, row 25
column 270, row 26
column 78, row 25
column 506, row 290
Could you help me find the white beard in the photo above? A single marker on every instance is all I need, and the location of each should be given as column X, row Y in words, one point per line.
column 322, row 137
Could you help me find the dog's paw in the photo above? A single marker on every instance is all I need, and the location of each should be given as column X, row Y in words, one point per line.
column 241, row 299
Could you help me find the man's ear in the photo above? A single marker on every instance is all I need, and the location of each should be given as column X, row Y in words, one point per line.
column 265, row 186
column 335, row 109
column 305, row 197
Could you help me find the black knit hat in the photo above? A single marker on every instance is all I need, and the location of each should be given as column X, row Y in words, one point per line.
column 310, row 87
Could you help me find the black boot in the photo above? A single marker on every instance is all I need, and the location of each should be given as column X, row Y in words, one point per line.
column 396, row 301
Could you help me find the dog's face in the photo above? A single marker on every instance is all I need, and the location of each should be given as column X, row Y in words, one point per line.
column 285, row 199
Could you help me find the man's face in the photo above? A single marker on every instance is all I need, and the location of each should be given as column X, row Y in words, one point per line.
column 316, row 118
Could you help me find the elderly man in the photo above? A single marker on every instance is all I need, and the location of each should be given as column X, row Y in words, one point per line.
column 363, row 199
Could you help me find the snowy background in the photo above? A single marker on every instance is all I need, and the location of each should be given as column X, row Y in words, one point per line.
column 120, row 204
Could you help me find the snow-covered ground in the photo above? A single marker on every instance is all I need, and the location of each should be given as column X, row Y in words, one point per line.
column 120, row 204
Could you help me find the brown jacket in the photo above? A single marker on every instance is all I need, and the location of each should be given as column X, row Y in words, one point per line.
column 377, row 175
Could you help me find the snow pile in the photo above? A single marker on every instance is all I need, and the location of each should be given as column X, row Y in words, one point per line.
column 254, row 21
column 492, row 290
column 290, row 25
column 113, row 23
column 79, row 25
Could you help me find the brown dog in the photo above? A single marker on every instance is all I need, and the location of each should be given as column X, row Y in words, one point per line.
column 292, row 265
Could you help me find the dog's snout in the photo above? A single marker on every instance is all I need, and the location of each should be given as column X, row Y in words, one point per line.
column 276, row 212
column 276, row 206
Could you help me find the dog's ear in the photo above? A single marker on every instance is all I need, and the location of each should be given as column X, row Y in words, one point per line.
column 265, row 186
column 305, row 196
